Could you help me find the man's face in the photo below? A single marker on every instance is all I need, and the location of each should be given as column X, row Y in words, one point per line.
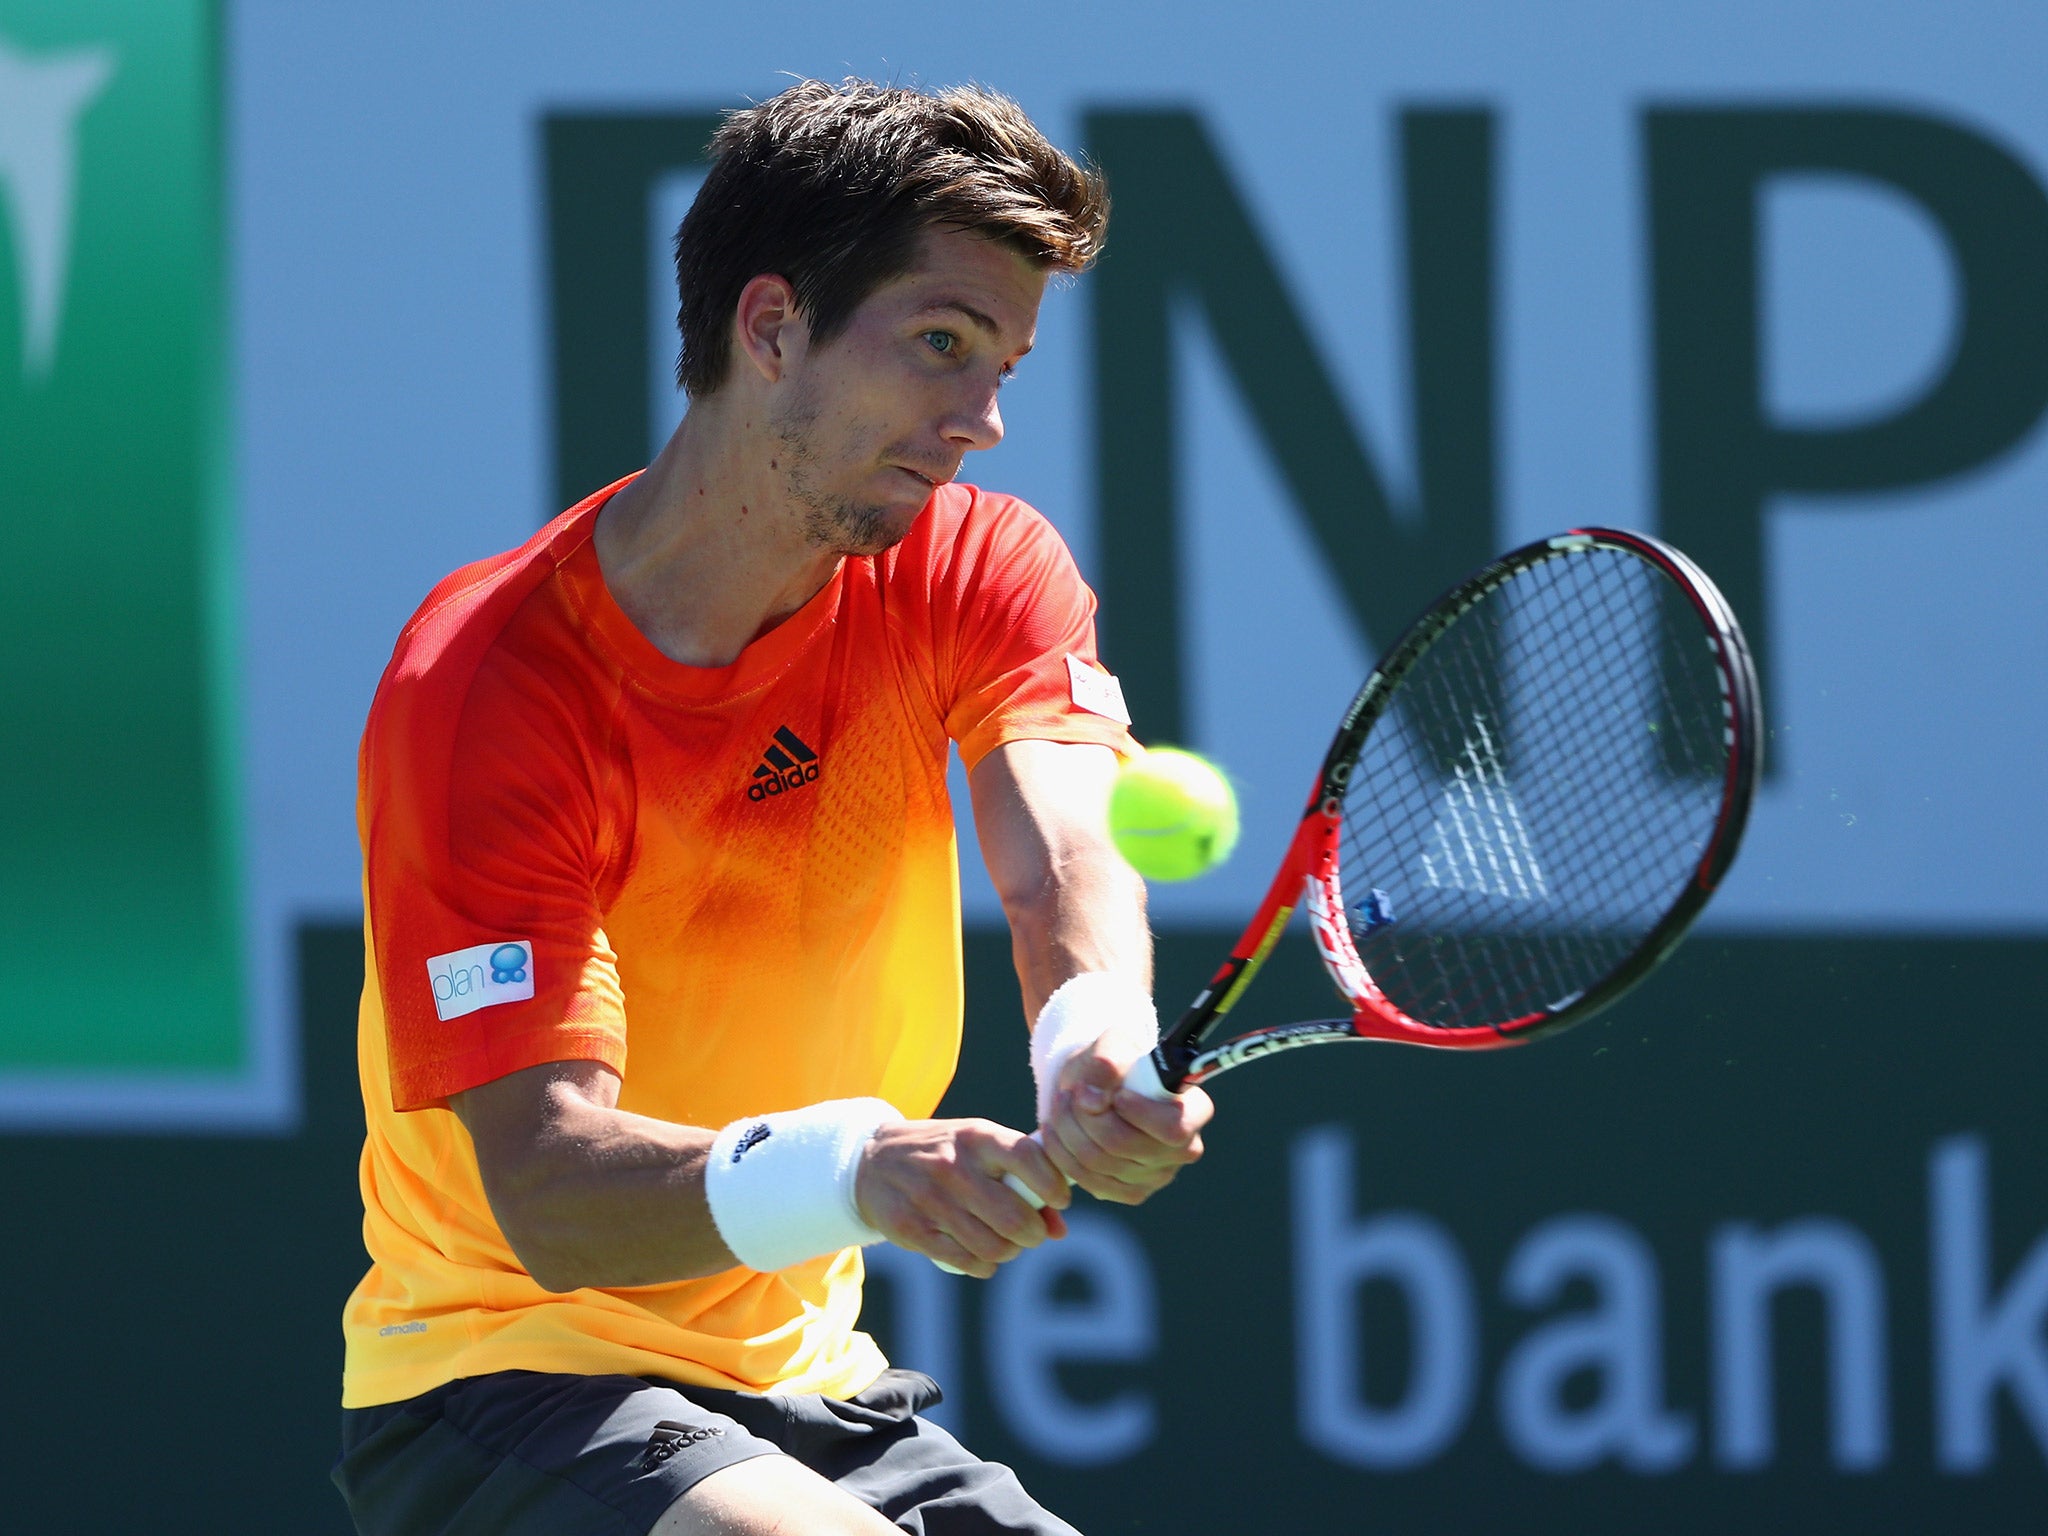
column 883, row 412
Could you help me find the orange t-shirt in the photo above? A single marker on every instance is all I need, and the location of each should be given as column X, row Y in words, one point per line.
column 736, row 886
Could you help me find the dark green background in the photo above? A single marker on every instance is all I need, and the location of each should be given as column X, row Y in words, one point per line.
column 174, row 1352
column 118, row 890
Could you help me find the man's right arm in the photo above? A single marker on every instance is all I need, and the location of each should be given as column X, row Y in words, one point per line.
column 588, row 1194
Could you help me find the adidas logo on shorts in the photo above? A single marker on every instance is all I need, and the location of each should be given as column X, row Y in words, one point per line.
column 787, row 764
column 670, row 1437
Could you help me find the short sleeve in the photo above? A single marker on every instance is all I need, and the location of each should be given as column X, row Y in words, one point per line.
column 484, row 852
column 1019, row 623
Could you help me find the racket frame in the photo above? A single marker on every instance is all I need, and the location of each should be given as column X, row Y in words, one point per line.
column 1308, row 874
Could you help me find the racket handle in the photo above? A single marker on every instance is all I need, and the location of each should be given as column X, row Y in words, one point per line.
column 1142, row 1078
column 1024, row 1192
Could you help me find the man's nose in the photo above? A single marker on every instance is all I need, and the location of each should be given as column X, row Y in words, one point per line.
column 979, row 422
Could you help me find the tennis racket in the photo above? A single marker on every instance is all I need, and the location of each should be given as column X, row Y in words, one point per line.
column 1526, row 805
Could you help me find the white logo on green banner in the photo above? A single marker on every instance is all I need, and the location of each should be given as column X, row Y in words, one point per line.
column 41, row 100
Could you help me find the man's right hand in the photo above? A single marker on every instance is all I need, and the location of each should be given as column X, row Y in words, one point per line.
column 936, row 1187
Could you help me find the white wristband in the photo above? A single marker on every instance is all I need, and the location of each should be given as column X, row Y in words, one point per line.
column 1082, row 1011
column 781, row 1186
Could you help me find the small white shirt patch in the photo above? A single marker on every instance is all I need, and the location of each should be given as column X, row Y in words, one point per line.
column 1096, row 691
column 465, row 980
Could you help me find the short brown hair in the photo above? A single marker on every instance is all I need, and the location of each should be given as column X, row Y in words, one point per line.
column 830, row 187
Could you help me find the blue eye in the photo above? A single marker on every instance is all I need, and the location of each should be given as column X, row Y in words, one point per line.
column 940, row 341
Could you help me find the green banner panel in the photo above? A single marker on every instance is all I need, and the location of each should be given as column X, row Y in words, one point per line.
column 118, row 902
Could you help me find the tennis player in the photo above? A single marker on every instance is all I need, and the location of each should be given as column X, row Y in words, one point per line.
column 663, row 923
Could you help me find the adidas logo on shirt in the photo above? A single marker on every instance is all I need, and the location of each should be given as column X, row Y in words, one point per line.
column 787, row 764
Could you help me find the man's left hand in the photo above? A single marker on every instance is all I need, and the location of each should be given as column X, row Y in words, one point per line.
column 1115, row 1143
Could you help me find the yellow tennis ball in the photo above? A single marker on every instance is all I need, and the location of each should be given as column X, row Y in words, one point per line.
column 1172, row 815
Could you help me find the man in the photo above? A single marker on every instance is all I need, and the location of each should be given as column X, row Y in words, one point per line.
column 662, row 916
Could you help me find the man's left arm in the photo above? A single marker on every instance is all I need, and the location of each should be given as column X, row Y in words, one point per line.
column 1076, row 908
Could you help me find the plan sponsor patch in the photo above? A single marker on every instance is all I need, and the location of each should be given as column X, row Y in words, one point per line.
column 1096, row 691
column 465, row 980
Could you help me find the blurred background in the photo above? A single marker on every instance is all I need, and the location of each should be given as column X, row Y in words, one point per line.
column 304, row 304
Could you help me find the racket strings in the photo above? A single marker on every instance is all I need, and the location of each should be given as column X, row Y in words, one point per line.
column 1543, row 787
column 1462, row 847
column 1465, row 692
column 1559, row 956
column 1467, row 669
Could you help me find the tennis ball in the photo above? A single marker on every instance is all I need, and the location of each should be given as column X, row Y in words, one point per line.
column 1172, row 815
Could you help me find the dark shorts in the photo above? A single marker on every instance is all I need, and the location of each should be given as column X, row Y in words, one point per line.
column 522, row 1453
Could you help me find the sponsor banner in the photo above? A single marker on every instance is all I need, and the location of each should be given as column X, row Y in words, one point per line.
column 119, row 797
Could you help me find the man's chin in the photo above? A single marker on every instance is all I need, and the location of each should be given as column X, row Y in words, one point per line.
column 887, row 535
column 871, row 529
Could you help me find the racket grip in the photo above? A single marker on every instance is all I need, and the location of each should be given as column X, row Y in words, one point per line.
column 1142, row 1078
column 1024, row 1192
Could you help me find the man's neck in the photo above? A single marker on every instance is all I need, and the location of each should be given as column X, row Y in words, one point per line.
column 702, row 551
